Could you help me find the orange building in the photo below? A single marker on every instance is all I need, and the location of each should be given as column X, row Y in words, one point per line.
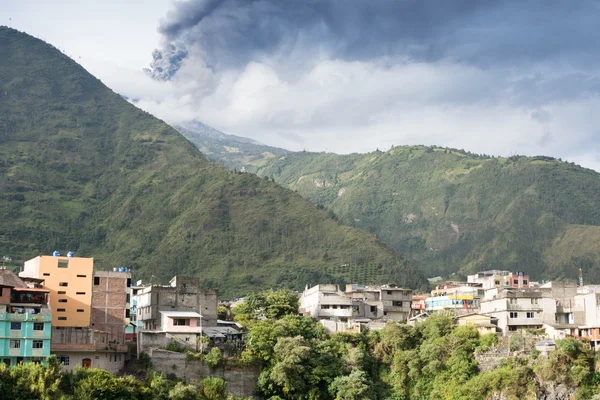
column 69, row 280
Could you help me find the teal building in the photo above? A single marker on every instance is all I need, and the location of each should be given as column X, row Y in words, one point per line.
column 25, row 320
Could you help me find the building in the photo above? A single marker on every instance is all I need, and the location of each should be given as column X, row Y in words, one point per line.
column 90, row 310
column 500, row 279
column 517, row 309
column 386, row 302
column 69, row 280
column 483, row 323
column 175, row 313
column 327, row 302
column 25, row 320
column 340, row 311
column 457, row 303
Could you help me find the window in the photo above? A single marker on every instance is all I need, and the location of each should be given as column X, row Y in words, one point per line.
column 96, row 280
column 389, row 292
column 62, row 292
column 128, row 282
column 38, row 344
column 60, row 310
column 397, row 303
column 515, row 281
column 530, row 315
column 46, row 274
column 324, row 307
column 80, row 310
column 374, row 309
column 82, row 276
column 63, row 284
column 512, row 300
column 334, row 307
column 15, row 326
column 62, row 300
column 62, row 318
column 534, row 301
column 524, row 281
column 497, row 282
column 63, row 263
column 513, row 315
column 181, row 321
column 15, row 344
column 80, row 293
column 38, row 326
column 64, row 360
column 187, row 339
column 97, row 357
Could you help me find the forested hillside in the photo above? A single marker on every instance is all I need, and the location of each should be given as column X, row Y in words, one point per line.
column 81, row 169
column 449, row 210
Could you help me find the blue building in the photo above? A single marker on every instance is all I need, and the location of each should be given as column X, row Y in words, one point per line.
column 25, row 319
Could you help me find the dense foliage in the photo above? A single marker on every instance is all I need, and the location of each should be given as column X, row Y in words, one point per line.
column 81, row 169
column 49, row 382
column 449, row 210
column 433, row 360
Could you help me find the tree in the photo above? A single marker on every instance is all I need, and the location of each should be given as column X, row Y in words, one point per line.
column 351, row 387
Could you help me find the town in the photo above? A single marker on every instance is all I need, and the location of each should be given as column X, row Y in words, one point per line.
column 99, row 319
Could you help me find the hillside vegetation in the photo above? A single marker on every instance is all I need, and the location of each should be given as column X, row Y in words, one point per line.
column 81, row 169
column 449, row 210
column 233, row 152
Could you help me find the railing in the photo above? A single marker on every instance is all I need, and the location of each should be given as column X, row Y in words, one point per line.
column 26, row 317
column 520, row 307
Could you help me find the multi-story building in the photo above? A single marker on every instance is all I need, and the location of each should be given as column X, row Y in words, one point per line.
column 69, row 280
column 25, row 320
column 456, row 303
column 174, row 313
column 386, row 302
column 516, row 309
column 327, row 302
column 359, row 303
column 90, row 310
column 500, row 279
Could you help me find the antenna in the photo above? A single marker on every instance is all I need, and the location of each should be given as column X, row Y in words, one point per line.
column 580, row 277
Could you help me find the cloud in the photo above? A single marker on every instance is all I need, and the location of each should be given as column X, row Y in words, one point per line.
column 492, row 77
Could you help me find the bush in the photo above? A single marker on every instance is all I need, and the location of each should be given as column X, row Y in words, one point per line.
column 516, row 342
column 487, row 341
column 214, row 357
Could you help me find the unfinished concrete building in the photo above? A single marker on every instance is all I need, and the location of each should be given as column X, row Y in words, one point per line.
column 175, row 313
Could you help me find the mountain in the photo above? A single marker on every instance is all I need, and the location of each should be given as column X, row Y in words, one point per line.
column 449, row 210
column 234, row 152
column 82, row 169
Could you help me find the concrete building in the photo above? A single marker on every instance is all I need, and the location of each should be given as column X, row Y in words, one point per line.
column 327, row 302
column 381, row 302
column 25, row 320
column 69, row 280
column 500, row 279
column 456, row 303
column 517, row 309
column 174, row 313
column 340, row 311
column 90, row 310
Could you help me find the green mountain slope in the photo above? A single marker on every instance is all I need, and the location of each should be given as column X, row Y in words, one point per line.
column 453, row 211
column 233, row 152
column 81, row 169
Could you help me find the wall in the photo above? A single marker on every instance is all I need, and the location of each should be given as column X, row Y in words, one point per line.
column 107, row 361
column 109, row 302
column 240, row 381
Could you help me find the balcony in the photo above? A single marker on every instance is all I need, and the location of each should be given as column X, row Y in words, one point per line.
column 25, row 317
column 521, row 307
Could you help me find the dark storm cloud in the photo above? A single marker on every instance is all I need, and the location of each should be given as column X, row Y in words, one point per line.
column 231, row 33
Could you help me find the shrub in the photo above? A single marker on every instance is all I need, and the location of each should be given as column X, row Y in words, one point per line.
column 214, row 357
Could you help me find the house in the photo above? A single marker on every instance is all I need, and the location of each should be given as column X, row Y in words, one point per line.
column 500, row 279
column 386, row 302
column 178, row 312
column 327, row 302
column 483, row 323
column 25, row 319
column 517, row 309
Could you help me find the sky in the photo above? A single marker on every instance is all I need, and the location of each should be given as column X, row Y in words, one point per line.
column 495, row 77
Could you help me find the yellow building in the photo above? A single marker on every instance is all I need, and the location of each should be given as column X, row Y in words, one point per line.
column 69, row 280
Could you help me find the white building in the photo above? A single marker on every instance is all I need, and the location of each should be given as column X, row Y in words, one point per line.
column 326, row 302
